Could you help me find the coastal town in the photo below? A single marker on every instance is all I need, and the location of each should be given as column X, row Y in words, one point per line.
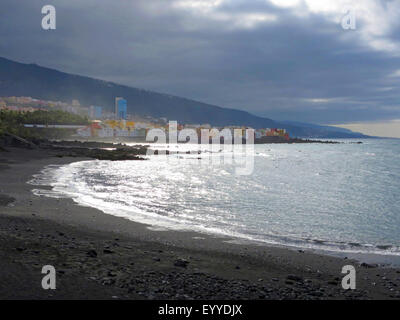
column 104, row 124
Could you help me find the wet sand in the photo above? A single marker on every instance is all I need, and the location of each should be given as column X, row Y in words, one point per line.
column 99, row 256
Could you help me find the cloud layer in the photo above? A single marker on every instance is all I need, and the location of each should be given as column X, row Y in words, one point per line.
column 284, row 59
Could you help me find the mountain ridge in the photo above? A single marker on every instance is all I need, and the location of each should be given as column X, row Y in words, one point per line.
column 20, row 79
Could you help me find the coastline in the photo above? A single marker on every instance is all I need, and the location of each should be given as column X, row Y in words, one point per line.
column 146, row 264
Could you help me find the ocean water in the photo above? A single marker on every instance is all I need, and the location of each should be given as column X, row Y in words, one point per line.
column 335, row 197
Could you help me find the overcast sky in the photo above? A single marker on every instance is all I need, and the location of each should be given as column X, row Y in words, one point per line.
column 283, row 59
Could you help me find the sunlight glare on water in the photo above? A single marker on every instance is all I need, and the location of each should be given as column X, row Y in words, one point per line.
column 330, row 196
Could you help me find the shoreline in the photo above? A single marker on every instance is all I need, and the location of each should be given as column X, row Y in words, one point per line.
column 166, row 264
column 377, row 258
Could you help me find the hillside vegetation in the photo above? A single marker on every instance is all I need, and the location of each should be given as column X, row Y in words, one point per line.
column 13, row 121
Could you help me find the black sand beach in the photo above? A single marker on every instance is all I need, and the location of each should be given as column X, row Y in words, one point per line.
column 99, row 256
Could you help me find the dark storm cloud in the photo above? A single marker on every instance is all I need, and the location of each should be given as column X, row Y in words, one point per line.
column 292, row 63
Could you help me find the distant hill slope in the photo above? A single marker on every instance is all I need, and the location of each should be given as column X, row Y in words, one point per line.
column 311, row 125
column 18, row 79
column 336, row 131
